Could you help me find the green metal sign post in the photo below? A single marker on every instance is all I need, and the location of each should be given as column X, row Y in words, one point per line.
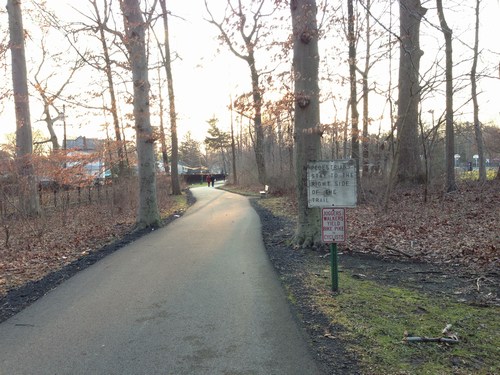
column 333, row 231
column 334, row 263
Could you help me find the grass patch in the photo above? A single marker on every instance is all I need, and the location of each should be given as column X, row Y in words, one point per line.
column 250, row 191
column 178, row 204
column 279, row 206
column 491, row 174
column 376, row 316
column 198, row 184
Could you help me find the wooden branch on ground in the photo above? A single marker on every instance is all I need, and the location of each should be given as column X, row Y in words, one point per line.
column 449, row 339
column 399, row 251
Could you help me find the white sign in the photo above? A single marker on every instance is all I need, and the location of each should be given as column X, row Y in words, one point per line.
column 334, row 223
column 331, row 183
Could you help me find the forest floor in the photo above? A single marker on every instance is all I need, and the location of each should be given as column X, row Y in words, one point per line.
column 419, row 265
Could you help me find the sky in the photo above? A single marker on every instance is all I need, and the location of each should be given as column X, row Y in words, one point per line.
column 206, row 75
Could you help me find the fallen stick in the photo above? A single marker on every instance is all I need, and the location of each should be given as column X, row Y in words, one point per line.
column 398, row 251
column 451, row 339
column 447, row 340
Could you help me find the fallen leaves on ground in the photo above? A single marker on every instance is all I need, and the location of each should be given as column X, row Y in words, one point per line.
column 459, row 228
column 31, row 248
column 37, row 246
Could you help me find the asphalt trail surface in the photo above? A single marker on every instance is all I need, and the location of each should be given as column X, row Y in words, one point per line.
column 196, row 297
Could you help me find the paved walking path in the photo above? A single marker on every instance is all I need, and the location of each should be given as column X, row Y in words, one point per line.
column 196, row 297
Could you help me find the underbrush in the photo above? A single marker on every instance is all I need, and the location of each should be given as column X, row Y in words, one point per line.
column 33, row 247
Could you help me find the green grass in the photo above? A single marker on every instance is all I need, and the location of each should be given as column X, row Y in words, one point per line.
column 178, row 204
column 199, row 184
column 491, row 174
column 376, row 316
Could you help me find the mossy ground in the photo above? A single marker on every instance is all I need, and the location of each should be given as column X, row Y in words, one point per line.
column 376, row 316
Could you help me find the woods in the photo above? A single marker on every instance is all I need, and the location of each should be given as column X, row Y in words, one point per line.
column 114, row 113
column 303, row 68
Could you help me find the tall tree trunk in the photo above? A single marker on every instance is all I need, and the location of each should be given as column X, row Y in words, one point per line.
column 259, row 131
column 24, row 139
column 148, row 213
column 176, row 187
column 450, row 136
column 409, row 167
column 366, row 120
column 164, row 153
column 351, row 36
column 477, row 125
column 233, row 146
column 307, row 119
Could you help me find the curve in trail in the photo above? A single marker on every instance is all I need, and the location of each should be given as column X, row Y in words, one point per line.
column 196, row 297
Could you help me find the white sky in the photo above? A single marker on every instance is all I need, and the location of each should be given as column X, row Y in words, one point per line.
column 204, row 79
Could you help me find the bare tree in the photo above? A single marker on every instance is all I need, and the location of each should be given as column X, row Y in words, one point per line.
column 233, row 145
column 49, row 97
column 353, row 98
column 307, row 119
column 245, row 50
column 163, row 141
column 24, row 138
column 477, row 125
column 364, row 75
column 101, row 21
column 369, row 62
column 450, row 136
column 176, row 188
column 148, row 213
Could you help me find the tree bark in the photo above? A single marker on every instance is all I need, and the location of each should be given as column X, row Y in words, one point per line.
column 477, row 125
column 307, row 118
column 29, row 199
column 174, row 168
column 450, row 131
column 148, row 213
column 409, row 167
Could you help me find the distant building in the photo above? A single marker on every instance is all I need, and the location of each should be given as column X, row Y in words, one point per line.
column 87, row 146
column 84, row 144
